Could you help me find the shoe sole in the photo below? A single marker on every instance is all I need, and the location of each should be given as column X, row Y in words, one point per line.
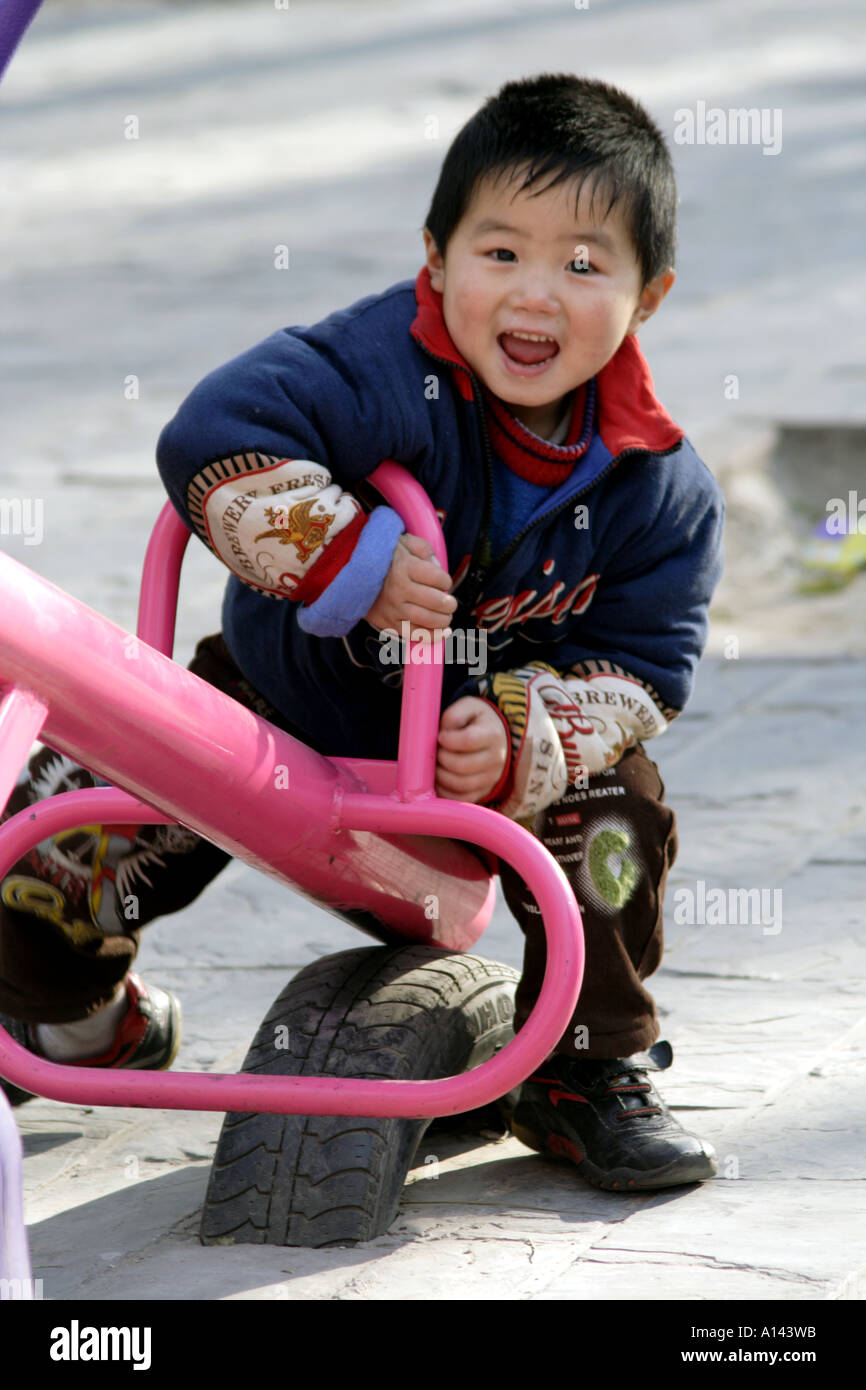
column 177, row 1028
column 680, row 1173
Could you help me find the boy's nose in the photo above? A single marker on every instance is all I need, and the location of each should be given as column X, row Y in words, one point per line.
column 535, row 294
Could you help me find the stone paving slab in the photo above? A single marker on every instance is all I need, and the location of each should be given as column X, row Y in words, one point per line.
column 803, row 1233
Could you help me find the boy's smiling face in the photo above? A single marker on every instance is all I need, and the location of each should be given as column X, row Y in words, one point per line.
column 517, row 264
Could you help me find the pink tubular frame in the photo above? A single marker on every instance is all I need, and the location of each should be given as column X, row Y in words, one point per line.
column 189, row 754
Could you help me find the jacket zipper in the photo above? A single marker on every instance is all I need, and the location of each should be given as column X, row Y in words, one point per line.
column 476, row 573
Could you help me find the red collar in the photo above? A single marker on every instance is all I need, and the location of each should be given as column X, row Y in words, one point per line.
column 629, row 416
column 534, row 458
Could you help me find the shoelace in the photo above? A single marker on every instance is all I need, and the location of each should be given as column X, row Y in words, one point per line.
column 558, row 1093
column 632, row 1088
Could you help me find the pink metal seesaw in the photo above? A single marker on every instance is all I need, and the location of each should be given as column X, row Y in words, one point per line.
column 355, row 835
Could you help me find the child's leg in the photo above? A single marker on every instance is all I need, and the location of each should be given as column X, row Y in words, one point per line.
column 71, row 910
column 615, row 841
column 592, row 1102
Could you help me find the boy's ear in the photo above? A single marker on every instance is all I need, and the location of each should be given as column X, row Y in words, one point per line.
column 650, row 299
column 435, row 263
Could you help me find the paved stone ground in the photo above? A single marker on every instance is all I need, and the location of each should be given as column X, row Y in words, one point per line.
column 154, row 258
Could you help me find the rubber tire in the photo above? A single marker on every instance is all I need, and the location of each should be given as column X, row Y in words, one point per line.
column 407, row 1012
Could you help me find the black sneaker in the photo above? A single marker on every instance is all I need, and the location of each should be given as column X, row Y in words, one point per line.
column 607, row 1119
column 148, row 1037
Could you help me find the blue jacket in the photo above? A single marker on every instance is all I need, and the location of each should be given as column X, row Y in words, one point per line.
column 613, row 573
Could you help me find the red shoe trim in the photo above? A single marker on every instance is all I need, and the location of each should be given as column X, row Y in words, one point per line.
column 558, row 1144
column 556, row 1096
column 132, row 1029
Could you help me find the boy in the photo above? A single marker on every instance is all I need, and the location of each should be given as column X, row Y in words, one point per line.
column 584, row 541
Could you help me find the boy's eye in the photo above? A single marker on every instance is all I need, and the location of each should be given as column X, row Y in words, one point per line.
column 580, row 265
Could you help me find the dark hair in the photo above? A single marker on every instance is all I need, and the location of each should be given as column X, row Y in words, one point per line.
column 573, row 128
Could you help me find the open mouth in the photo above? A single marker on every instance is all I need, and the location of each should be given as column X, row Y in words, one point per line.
column 528, row 349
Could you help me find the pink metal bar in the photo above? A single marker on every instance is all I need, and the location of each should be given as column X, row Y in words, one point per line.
column 376, row 774
column 422, row 682
column 22, row 716
column 160, row 581
column 93, row 806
